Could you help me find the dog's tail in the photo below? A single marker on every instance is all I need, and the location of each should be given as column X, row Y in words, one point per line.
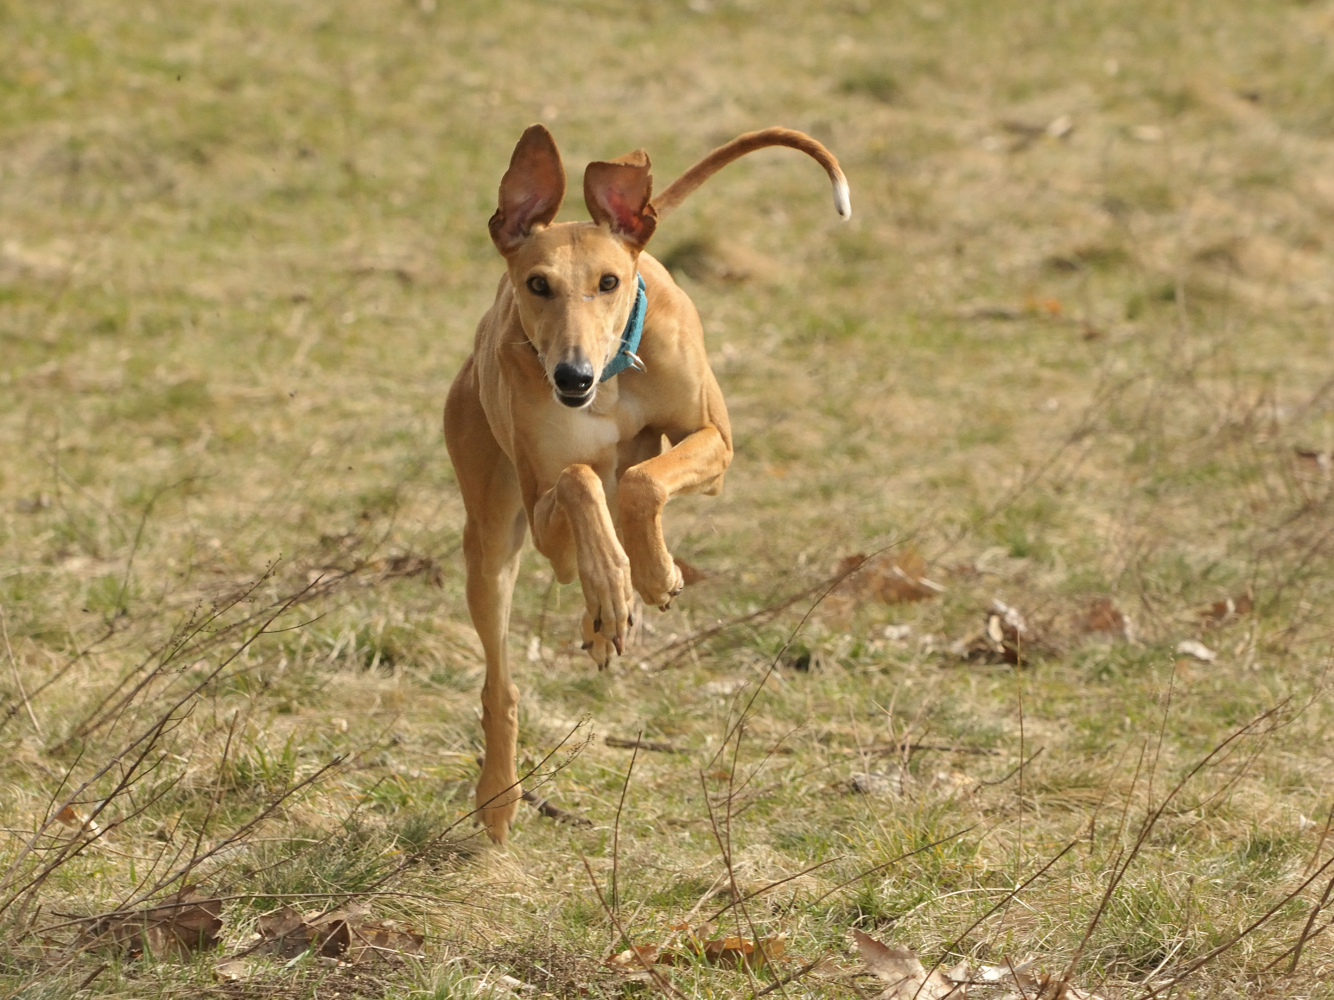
column 683, row 186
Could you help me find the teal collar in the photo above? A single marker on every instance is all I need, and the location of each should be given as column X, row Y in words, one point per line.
column 630, row 337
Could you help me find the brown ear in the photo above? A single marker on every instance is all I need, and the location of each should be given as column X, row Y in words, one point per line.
column 617, row 193
column 531, row 190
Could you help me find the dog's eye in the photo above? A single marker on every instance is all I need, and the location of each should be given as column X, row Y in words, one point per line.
column 538, row 285
column 608, row 282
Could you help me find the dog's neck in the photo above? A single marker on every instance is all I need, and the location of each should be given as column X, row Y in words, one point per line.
column 626, row 357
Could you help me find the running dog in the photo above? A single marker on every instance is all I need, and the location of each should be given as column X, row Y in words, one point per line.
column 589, row 360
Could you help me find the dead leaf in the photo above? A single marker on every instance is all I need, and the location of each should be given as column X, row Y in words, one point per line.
column 1199, row 650
column 1228, row 609
column 1043, row 307
column 1323, row 460
column 1060, row 127
column 1104, row 618
column 890, row 578
column 345, row 934
column 78, row 819
column 633, row 959
column 742, row 952
column 1030, row 984
column 383, row 939
column 174, row 928
column 698, row 944
column 902, row 972
column 233, row 970
column 1006, row 638
column 1018, row 975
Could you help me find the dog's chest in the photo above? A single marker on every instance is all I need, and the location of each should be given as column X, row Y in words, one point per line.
column 577, row 436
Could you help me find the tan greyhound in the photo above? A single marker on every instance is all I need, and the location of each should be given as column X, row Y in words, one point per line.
column 589, row 357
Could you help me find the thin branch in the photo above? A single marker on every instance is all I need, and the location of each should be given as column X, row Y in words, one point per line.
column 616, row 828
column 658, row 978
column 641, row 744
column 14, row 668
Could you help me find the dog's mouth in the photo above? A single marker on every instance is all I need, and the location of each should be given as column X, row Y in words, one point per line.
column 573, row 400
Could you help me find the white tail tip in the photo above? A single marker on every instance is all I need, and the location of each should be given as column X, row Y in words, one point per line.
column 842, row 200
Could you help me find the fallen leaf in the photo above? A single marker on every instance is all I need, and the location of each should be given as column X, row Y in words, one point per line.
column 1046, row 307
column 383, row 939
column 890, row 578
column 1104, row 618
column 1031, row 985
column 233, row 970
column 1059, row 128
column 345, row 934
column 1019, row 975
column 505, row 984
column 1227, row 609
column 902, row 972
column 1006, row 638
column 276, row 928
column 739, row 951
column 1323, row 460
column 633, row 959
column 77, row 819
column 173, row 928
column 1199, row 650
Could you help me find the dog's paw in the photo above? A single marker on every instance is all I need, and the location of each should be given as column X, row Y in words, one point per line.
column 596, row 645
column 660, row 585
column 609, row 600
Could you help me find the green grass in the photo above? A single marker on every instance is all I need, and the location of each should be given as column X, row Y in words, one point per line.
column 243, row 253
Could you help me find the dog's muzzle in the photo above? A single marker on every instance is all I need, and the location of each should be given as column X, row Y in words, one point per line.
column 574, row 382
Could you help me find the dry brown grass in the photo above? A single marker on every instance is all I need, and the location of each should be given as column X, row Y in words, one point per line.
column 1074, row 347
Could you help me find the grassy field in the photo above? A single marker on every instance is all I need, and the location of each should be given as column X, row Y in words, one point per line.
column 1073, row 353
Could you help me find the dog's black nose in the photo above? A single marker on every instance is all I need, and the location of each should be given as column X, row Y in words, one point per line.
column 573, row 378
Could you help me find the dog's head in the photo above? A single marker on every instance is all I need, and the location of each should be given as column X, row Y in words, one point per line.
column 574, row 282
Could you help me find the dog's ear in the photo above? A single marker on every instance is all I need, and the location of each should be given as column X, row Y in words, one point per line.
column 531, row 190
column 617, row 193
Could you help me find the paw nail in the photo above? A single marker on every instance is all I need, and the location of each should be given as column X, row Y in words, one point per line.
column 586, row 646
column 630, row 621
column 620, row 651
column 597, row 624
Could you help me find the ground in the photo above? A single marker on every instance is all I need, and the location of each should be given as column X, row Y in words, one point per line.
column 1072, row 354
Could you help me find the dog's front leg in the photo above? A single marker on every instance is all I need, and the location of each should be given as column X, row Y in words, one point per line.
column 492, row 537
column 573, row 528
column 695, row 465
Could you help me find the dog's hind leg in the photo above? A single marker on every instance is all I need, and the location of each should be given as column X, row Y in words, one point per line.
column 492, row 537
